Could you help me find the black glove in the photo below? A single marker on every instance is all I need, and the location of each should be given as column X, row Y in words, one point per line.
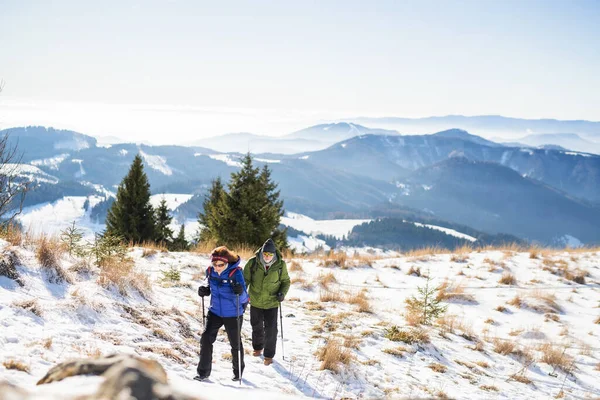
column 237, row 288
column 204, row 291
column 280, row 297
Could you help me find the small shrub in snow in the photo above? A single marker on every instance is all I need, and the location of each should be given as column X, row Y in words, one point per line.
column 16, row 365
column 71, row 238
column 501, row 309
column 427, row 304
column 171, row 275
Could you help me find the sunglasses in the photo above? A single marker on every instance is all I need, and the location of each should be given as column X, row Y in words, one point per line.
column 267, row 254
column 218, row 264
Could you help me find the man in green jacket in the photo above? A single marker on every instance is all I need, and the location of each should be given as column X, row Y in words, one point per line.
column 268, row 282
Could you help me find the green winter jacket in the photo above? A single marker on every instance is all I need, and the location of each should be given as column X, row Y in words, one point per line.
column 264, row 286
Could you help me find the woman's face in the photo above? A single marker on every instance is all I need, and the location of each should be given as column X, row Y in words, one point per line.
column 268, row 256
column 219, row 266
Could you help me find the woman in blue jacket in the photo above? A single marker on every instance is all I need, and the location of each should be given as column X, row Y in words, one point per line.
column 224, row 283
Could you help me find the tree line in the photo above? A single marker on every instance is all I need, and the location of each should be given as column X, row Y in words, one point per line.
column 244, row 214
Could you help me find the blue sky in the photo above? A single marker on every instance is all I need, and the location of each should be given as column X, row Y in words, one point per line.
column 136, row 68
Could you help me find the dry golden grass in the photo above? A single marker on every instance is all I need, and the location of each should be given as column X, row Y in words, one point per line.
column 30, row 305
column 149, row 246
column 395, row 351
column 121, row 274
column 597, row 321
column 326, row 279
column 504, row 347
column 295, row 266
column 556, row 356
column 361, row 301
column 12, row 234
column 489, row 388
column 423, row 253
column 408, row 336
column 331, row 322
column 454, row 291
column 501, row 309
column 165, row 352
column 326, row 295
column 459, row 258
column 538, row 300
column 47, row 343
column 439, row 368
column 148, row 253
column 414, row 271
column 48, row 254
column 333, row 259
column 482, row 364
column 16, row 365
column 597, row 367
column 8, row 266
column 508, row 279
column 333, row 355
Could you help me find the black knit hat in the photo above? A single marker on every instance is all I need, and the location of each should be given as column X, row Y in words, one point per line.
column 269, row 246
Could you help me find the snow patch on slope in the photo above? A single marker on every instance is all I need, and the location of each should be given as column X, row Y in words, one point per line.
column 157, row 163
column 226, row 158
column 334, row 227
column 52, row 162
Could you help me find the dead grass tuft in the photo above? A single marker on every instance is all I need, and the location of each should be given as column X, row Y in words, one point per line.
column 295, row 266
column 326, row 295
column 326, row 279
column 16, row 365
column 147, row 253
column 501, row 309
column 121, row 274
column 361, row 301
column 597, row 321
column 414, row 271
column 8, row 266
column 333, row 355
column 489, row 388
column 504, row 347
column 449, row 291
column 508, row 279
column 556, row 356
column 395, row 351
column 439, row 368
column 339, row 260
column 314, row 306
column 459, row 258
column 30, row 305
column 538, row 301
column 48, row 254
column 408, row 336
column 12, row 234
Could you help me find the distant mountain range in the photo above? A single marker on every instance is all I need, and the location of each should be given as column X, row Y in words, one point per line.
column 314, row 138
column 486, row 125
column 536, row 194
column 569, row 141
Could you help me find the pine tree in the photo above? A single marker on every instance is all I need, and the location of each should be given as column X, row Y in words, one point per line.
column 164, row 234
column 427, row 306
column 71, row 237
column 131, row 216
column 248, row 214
column 180, row 243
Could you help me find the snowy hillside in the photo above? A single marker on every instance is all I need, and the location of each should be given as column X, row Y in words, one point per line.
column 518, row 325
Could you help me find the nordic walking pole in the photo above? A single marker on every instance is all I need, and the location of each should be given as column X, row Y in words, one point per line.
column 203, row 315
column 239, row 341
column 281, row 323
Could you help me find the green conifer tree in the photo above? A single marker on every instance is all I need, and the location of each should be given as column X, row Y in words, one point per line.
column 164, row 234
column 248, row 214
column 131, row 216
column 180, row 243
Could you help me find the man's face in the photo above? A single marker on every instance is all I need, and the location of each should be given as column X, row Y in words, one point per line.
column 268, row 256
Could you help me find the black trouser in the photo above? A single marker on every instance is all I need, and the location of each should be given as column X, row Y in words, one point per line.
column 264, row 329
column 213, row 324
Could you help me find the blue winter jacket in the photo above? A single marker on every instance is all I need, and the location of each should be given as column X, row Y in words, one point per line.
column 222, row 299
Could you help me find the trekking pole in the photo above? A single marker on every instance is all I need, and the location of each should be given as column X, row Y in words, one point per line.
column 203, row 316
column 281, row 323
column 239, row 340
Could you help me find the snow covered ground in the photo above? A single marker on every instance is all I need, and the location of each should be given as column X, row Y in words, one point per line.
column 334, row 227
column 468, row 355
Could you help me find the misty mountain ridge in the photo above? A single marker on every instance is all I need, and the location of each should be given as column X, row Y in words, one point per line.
column 351, row 177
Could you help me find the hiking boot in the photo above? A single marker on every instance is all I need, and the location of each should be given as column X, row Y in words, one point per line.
column 257, row 353
column 268, row 361
column 235, row 378
column 200, row 378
